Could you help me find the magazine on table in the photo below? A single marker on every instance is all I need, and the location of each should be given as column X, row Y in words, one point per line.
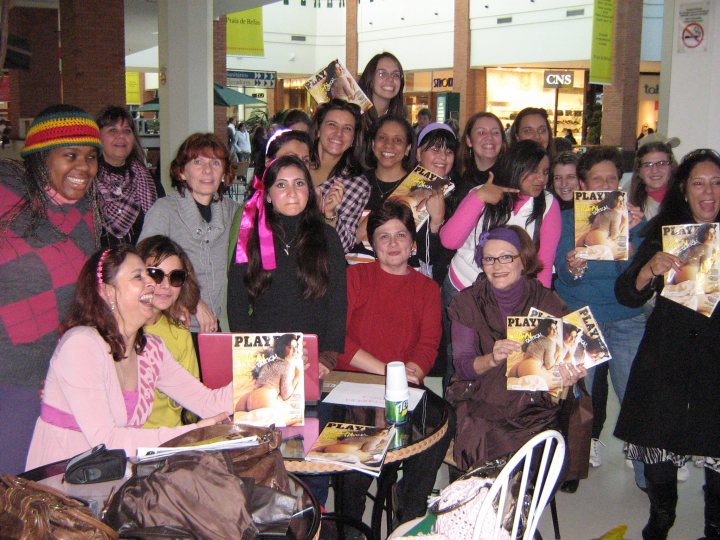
column 696, row 284
column 535, row 366
column 601, row 225
column 582, row 341
column 362, row 448
column 268, row 382
column 216, row 444
column 335, row 81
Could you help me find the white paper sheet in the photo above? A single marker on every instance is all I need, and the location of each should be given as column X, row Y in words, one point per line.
column 366, row 395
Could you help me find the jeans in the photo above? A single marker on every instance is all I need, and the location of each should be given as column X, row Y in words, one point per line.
column 622, row 338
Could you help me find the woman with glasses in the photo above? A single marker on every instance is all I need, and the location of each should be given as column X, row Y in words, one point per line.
column 672, row 403
column 532, row 123
column 383, row 81
column 125, row 187
column 175, row 297
column 104, row 371
column 493, row 421
column 199, row 218
column 654, row 168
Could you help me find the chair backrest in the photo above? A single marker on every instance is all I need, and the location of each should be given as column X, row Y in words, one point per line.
column 216, row 362
column 549, row 447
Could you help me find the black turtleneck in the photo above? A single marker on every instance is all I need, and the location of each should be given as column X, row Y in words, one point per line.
column 281, row 308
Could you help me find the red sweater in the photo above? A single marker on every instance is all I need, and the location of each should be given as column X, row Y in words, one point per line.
column 391, row 317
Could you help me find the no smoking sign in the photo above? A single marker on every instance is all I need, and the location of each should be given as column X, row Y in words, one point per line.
column 693, row 35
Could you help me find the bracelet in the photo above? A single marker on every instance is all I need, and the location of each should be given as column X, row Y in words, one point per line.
column 334, row 217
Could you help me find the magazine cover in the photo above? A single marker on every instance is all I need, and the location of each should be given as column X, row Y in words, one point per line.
column 582, row 341
column 696, row 284
column 601, row 225
column 535, row 367
column 416, row 189
column 362, row 448
column 268, row 383
column 335, row 81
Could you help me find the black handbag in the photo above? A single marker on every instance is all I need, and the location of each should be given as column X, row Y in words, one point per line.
column 96, row 465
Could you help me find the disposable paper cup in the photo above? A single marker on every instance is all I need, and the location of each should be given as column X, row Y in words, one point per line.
column 396, row 381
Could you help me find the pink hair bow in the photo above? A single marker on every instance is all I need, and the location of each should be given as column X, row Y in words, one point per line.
column 256, row 206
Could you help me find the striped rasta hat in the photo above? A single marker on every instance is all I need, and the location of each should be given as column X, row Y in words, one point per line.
column 59, row 126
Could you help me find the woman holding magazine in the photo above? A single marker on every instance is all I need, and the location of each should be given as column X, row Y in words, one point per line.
column 493, row 421
column 672, row 403
column 287, row 268
column 105, row 369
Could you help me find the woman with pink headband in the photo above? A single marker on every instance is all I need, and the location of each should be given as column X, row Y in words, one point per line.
column 287, row 271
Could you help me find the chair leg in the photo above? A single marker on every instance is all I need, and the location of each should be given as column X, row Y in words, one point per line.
column 556, row 522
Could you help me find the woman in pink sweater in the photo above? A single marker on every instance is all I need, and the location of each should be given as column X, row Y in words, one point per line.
column 102, row 377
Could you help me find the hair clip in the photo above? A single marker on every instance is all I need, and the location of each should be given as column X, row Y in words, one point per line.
column 101, row 266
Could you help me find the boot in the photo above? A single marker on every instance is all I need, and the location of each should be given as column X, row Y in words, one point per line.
column 712, row 504
column 662, row 492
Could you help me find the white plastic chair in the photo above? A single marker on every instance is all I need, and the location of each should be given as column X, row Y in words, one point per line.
column 544, row 475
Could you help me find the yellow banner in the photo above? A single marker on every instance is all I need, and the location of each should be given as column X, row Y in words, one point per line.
column 133, row 92
column 245, row 33
column 601, row 56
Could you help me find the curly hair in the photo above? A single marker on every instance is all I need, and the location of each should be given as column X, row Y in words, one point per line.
column 88, row 308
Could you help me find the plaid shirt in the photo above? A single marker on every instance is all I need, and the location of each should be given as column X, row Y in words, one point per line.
column 356, row 196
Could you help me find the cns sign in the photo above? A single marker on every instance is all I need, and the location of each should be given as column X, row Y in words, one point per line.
column 558, row 79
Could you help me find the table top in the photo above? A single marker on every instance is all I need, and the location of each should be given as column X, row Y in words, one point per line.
column 427, row 424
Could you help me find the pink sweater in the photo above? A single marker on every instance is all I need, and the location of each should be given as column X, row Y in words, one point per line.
column 83, row 383
column 462, row 230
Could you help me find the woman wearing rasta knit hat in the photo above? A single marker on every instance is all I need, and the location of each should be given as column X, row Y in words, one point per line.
column 47, row 231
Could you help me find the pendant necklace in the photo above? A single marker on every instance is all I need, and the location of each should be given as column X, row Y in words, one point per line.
column 391, row 187
column 286, row 245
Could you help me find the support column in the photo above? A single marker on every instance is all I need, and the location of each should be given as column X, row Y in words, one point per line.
column 220, row 74
column 92, row 40
column 462, row 76
column 620, row 99
column 185, row 45
column 690, row 83
column 39, row 87
column 351, row 36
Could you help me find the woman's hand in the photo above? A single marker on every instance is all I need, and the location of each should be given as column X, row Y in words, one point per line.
column 414, row 373
column 206, row 318
column 659, row 264
column 570, row 373
column 182, row 314
column 576, row 265
column 221, row 418
column 333, row 199
column 635, row 214
column 504, row 348
column 323, row 370
column 435, row 205
column 489, row 193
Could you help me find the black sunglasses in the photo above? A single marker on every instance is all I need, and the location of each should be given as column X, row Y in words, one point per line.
column 176, row 277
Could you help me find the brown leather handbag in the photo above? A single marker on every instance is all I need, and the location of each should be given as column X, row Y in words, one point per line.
column 31, row 511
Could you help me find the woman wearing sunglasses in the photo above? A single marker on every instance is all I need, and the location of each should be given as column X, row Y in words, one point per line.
column 176, row 297
column 103, row 374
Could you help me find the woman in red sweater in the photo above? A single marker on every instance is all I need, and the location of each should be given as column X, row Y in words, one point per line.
column 393, row 314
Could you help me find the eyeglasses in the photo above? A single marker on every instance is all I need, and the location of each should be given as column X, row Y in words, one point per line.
column 531, row 131
column 652, row 164
column 502, row 259
column 176, row 278
column 382, row 74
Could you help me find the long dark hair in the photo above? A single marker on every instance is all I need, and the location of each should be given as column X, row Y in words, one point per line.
column 397, row 104
column 638, row 190
column 608, row 203
column 158, row 248
column 88, row 308
column 675, row 210
column 466, row 159
column 522, row 158
column 349, row 159
column 312, row 249
column 529, row 111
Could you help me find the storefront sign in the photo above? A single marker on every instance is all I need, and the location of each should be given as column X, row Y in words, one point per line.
column 261, row 79
column 133, row 93
column 601, row 55
column 245, row 33
column 443, row 83
column 558, row 79
column 693, row 19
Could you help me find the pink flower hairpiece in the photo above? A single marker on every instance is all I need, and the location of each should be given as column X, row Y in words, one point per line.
column 101, row 266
